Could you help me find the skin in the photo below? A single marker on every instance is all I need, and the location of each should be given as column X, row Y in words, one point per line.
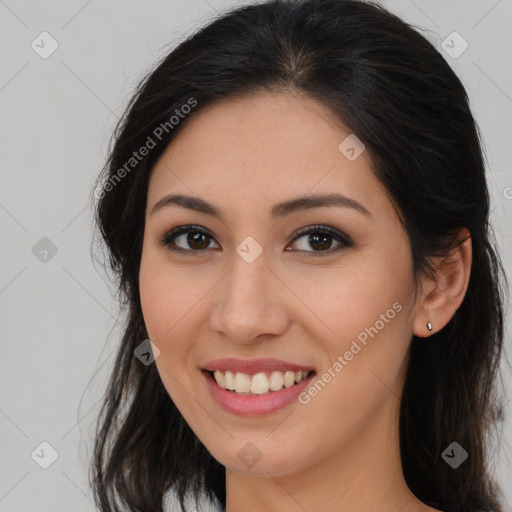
column 340, row 451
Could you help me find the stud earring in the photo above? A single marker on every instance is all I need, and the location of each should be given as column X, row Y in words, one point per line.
column 429, row 326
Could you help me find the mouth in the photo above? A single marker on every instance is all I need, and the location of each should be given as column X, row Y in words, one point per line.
column 255, row 387
column 260, row 383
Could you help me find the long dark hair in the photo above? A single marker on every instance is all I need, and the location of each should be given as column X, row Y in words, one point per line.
column 394, row 90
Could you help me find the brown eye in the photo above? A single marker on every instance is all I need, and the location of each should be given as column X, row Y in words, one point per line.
column 197, row 240
column 187, row 239
column 320, row 242
column 320, row 239
column 193, row 240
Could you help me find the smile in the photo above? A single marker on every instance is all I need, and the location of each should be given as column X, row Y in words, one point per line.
column 259, row 383
column 253, row 387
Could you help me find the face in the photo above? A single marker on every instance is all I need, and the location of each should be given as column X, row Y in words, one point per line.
column 236, row 290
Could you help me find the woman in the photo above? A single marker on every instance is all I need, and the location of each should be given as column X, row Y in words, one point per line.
column 296, row 210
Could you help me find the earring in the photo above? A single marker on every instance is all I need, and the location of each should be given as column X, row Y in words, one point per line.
column 429, row 326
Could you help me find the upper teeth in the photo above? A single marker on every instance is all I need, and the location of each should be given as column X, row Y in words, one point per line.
column 258, row 383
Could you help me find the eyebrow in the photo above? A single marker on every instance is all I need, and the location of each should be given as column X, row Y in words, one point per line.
column 278, row 211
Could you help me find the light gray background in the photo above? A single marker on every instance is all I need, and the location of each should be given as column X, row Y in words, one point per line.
column 57, row 115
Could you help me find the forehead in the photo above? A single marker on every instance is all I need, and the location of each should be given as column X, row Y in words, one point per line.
column 263, row 148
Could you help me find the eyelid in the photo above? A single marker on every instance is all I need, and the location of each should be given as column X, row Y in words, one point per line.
column 343, row 239
column 168, row 234
column 321, row 228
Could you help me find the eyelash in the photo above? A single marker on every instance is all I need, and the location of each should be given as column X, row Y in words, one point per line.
column 166, row 238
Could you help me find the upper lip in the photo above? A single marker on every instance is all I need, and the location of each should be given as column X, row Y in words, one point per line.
column 250, row 366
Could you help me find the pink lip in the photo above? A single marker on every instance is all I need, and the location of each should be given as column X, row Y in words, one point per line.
column 255, row 405
column 252, row 366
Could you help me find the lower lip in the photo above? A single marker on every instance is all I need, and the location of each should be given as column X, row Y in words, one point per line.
column 254, row 405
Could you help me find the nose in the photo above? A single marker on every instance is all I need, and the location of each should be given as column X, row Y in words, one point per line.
column 250, row 302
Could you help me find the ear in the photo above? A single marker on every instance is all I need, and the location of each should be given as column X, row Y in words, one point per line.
column 441, row 297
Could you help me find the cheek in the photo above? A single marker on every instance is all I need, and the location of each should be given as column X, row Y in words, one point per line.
column 166, row 295
column 358, row 378
column 170, row 301
column 162, row 309
column 367, row 291
column 367, row 310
